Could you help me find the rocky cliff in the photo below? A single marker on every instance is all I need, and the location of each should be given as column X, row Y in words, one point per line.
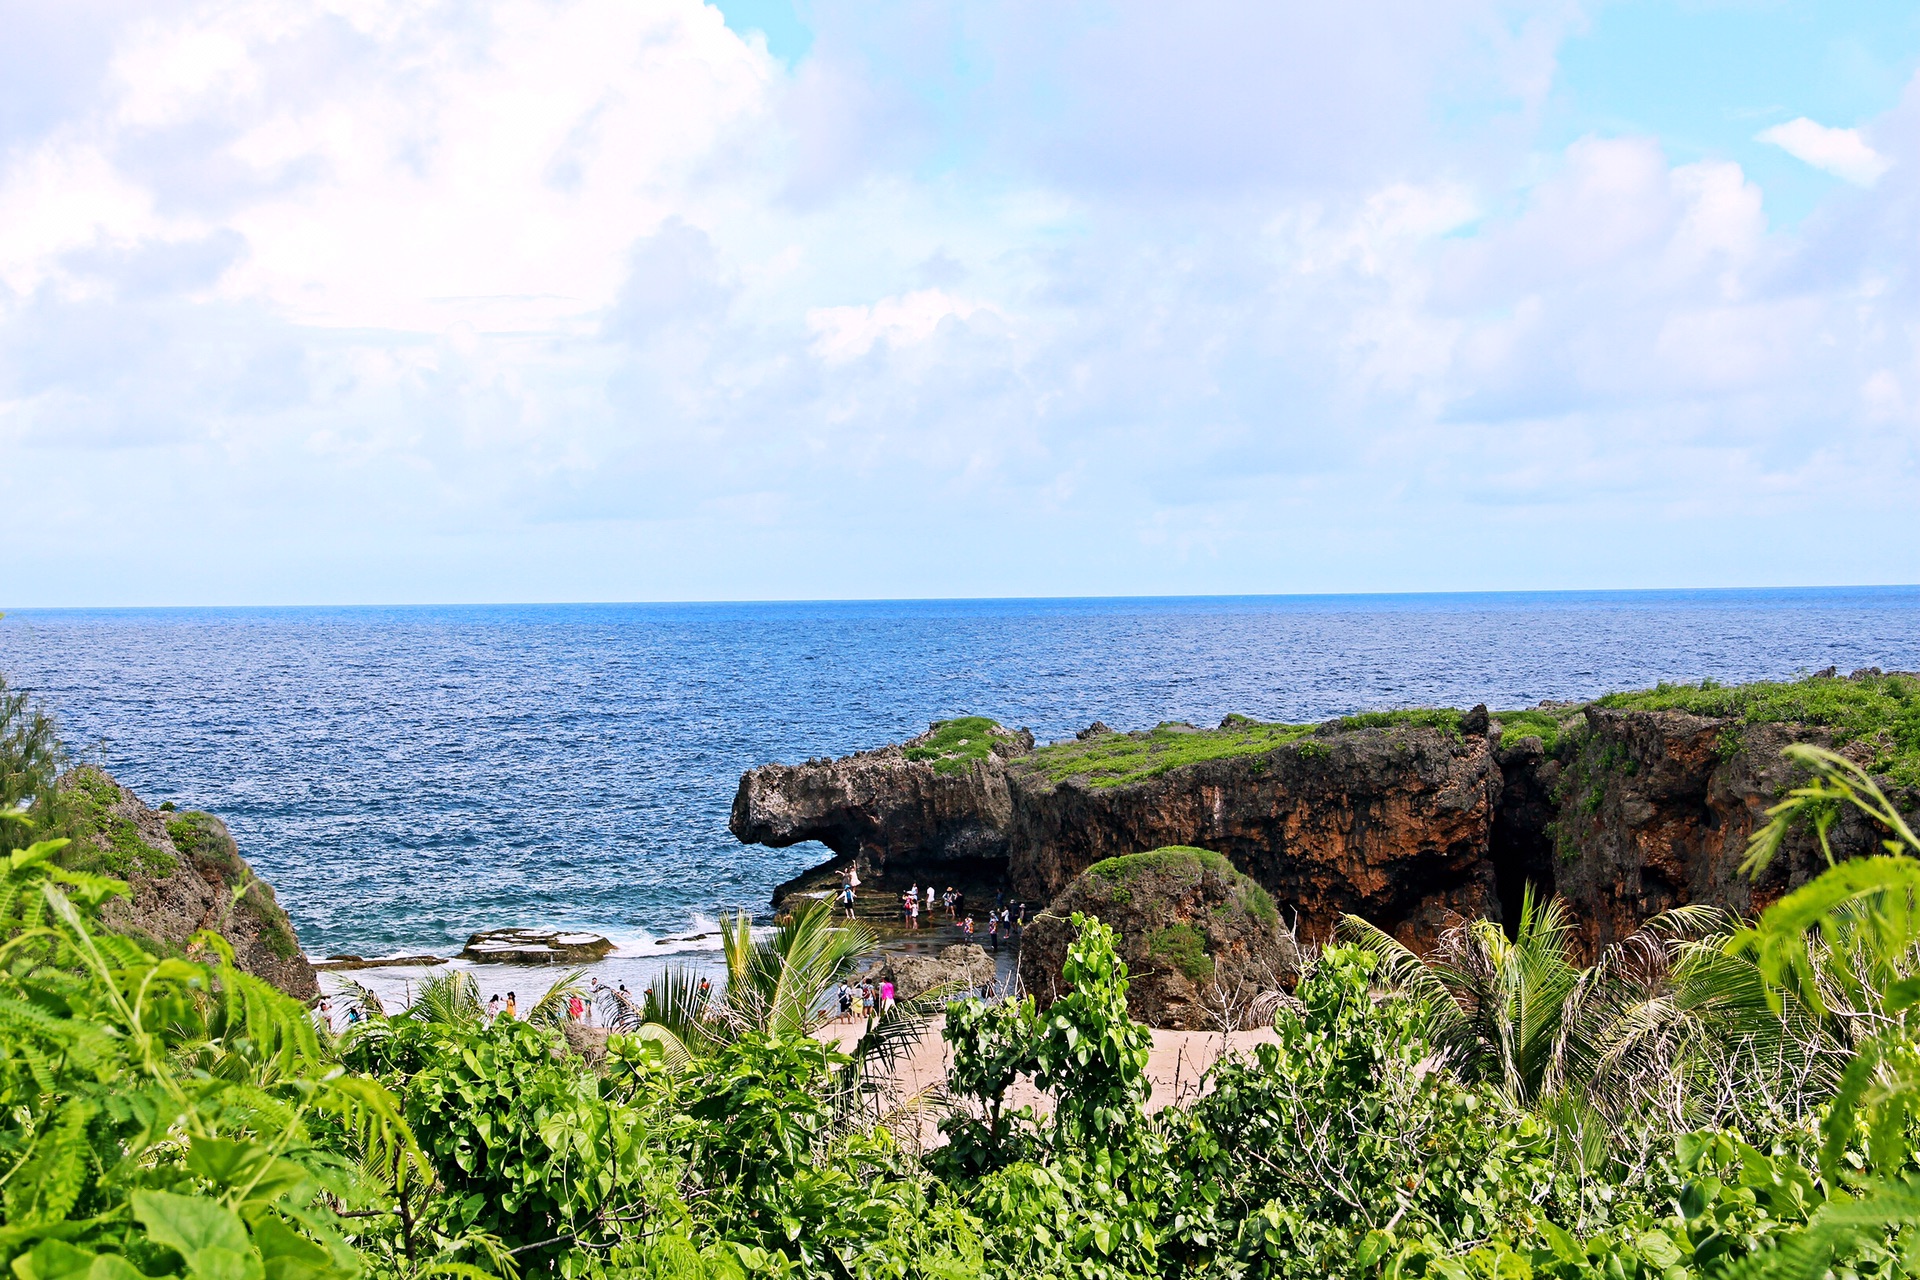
column 1624, row 807
column 1390, row 823
column 183, row 870
column 1202, row 942
column 909, row 803
column 1655, row 809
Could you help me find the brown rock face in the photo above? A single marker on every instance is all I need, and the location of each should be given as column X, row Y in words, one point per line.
column 1202, row 942
column 881, row 808
column 183, row 869
column 1656, row 808
column 958, row 970
column 1632, row 813
column 1392, row 824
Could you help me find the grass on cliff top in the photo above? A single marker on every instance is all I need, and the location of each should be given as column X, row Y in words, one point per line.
column 1116, row 759
column 1544, row 723
column 956, row 743
column 1880, row 711
column 1175, row 859
column 103, row 841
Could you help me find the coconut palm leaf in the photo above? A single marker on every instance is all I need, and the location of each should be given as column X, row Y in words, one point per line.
column 680, row 1001
column 777, row 983
column 551, row 1009
column 448, row 1000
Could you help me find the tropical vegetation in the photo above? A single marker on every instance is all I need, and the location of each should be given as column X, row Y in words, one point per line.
column 1710, row 1097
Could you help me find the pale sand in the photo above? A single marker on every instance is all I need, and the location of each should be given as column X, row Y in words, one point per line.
column 1177, row 1066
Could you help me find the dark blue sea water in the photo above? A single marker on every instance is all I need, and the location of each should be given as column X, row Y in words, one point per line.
column 406, row 776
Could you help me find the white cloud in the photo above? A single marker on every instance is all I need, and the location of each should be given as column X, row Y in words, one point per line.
column 847, row 333
column 1840, row 152
column 590, row 298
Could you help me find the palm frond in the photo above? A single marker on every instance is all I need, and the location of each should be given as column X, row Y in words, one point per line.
column 450, row 999
column 551, row 1009
column 679, row 999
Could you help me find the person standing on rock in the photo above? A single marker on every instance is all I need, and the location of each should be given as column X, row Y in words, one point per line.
column 513, row 1006
column 493, row 1007
column 886, row 994
column 993, row 930
column 967, row 928
column 846, row 899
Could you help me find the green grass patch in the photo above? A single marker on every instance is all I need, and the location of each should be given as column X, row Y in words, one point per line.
column 1184, row 947
column 103, row 841
column 955, row 744
column 1882, row 712
column 1116, row 759
column 1171, row 859
column 1445, row 719
column 1191, row 863
column 1535, row 722
column 198, row 835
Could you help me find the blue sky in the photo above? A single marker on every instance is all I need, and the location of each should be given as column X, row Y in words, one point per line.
column 367, row 301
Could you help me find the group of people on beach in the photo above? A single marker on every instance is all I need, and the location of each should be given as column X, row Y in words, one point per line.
column 1001, row 920
column 859, row 1001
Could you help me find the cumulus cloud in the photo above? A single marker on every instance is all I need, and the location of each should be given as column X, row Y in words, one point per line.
column 1840, row 152
column 592, row 298
column 846, row 333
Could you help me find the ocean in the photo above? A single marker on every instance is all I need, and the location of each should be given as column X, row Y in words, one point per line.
column 407, row 776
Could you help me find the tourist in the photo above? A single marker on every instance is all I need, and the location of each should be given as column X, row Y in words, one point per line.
column 993, row 930
column 846, row 899
column 493, row 1007
column 913, row 911
column 968, row 928
column 886, row 994
column 576, row 1008
column 846, row 1003
column 324, row 1015
column 906, row 904
column 513, row 1005
column 353, row 1016
column 929, row 900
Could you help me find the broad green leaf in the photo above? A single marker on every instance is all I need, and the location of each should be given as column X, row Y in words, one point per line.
column 190, row 1225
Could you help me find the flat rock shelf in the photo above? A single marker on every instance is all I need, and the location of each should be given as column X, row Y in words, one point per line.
column 338, row 964
column 535, row 946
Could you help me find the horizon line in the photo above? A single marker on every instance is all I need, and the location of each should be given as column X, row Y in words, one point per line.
column 719, row 602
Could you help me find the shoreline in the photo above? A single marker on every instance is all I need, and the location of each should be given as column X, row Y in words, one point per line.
column 394, row 983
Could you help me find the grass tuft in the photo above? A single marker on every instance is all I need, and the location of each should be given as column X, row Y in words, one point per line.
column 955, row 744
column 1117, row 759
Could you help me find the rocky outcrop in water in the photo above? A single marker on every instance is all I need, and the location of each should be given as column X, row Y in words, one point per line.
column 535, row 946
column 183, row 870
column 1410, row 824
column 882, row 807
